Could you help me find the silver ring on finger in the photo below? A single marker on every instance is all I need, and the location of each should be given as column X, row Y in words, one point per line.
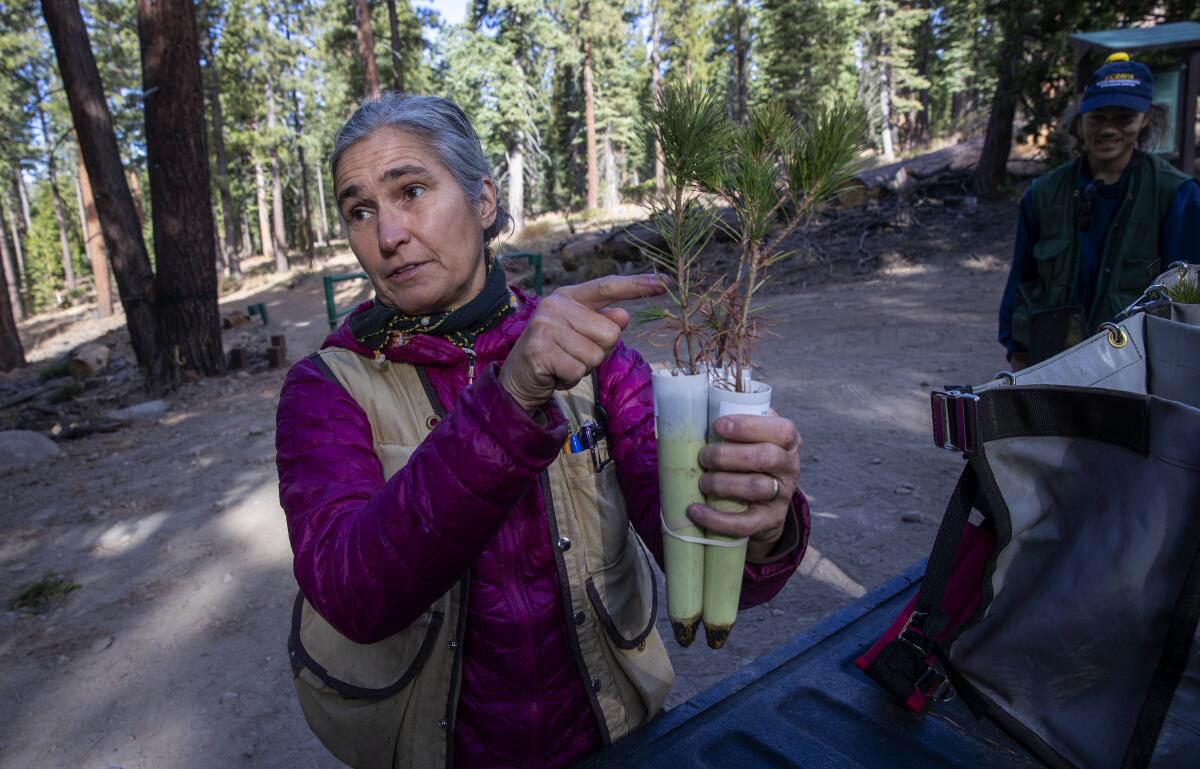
column 775, row 495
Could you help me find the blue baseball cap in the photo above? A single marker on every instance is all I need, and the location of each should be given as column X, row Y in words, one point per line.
column 1119, row 83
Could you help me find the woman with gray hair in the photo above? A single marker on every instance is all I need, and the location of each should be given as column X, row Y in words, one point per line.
column 471, row 486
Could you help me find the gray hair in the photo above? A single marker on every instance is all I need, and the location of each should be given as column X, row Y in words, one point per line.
column 440, row 122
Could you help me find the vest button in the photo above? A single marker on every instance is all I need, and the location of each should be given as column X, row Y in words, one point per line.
column 564, row 544
column 442, row 724
column 595, row 684
column 580, row 617
column 453, row 644
column 432, row 422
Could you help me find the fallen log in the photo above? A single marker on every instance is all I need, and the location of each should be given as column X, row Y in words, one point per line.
column 623, row 242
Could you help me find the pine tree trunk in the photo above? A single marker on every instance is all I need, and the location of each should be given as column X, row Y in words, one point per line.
column 94, row 242
column 52, row 172
column 305, row 218
column 19, row 183
column 992, row 170
column 229, row 217
column 16, row 306
column 515, row 157
column 885, row 113
column 18, row 252
column 589, row 117
column 114, row 204
column 323, row 219
column 366, row 48
column 12, row 355
column 266, row 236
column 740, row 53
column 247, row 243
column 281, row 238
column 139, row 198
column 397, row 63
column 612, row 192
column 181, row 192
column 660, row 176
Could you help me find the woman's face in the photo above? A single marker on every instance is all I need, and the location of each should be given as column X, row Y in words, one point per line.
column 411, row 226
column 1110, row 132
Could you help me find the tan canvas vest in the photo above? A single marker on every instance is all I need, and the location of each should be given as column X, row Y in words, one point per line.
column 391, row 704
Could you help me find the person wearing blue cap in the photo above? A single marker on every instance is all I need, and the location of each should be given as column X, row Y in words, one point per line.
column 1093, row 233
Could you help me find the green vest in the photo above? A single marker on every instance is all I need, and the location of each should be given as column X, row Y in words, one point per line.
column 1130, row 256
column 392, row 704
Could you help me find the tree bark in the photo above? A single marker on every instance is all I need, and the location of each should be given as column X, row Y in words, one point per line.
column 305, row 209
column 181, row 191
column 229, row 215
column 139, row 198
column 589, row 118
column 992, row 170
column 94, row 243
column 12, row 355
column 515, row 157
column 264, row 217
column 18, row 249
column 59, row 218
column 323, row 220
column 740, row 54
column 366, row 48
column 612, row 191
column 16, row 306
column 281, row 238
column 660, row 176
column 397, row 62
column 19, row 183
column 114, row 204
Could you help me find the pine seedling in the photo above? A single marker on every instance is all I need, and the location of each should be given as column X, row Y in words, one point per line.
column 1185, row 292
column 691, row 129
column 775, row 168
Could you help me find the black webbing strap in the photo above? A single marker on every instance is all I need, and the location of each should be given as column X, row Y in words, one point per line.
column 1172, row 663
column 929, row 618
column 1119, row 418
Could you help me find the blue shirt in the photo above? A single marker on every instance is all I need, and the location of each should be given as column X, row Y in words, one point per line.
column 1179, row 240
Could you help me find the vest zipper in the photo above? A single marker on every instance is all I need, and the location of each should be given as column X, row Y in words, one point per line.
column 470, row 365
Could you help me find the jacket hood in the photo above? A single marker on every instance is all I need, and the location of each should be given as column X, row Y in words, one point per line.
column 423, row 349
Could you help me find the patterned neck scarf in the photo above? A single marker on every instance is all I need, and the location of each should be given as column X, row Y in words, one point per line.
column 381, row 327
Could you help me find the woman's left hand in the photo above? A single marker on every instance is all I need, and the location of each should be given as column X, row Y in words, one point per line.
column 759, row 464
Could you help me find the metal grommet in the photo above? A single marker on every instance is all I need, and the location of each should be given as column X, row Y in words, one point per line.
column 1008, row 375
column 580, row 618
column 1116, row 335
column 443, row 724
column 432, row 422
column 564, row 544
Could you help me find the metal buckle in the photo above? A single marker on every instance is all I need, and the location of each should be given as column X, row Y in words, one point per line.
column 941, row 685
column 955, row 420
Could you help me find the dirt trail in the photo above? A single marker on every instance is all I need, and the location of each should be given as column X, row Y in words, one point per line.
column 172, row 653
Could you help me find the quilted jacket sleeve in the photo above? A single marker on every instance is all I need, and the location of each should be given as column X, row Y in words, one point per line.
column 627, row 396
column 371, row 554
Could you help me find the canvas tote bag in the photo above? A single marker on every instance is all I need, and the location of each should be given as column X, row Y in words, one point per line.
column 1062, row 594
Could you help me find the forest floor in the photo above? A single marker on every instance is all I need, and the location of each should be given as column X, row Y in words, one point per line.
column 171, row 652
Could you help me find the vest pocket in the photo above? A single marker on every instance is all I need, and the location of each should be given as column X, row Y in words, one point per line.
column 356, row 696
column 599, row 508
column 624, row 596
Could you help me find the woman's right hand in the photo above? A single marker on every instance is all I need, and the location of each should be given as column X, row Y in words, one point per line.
column 570, row 335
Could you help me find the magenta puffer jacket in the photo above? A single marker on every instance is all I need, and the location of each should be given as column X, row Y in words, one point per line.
column 373, row 553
